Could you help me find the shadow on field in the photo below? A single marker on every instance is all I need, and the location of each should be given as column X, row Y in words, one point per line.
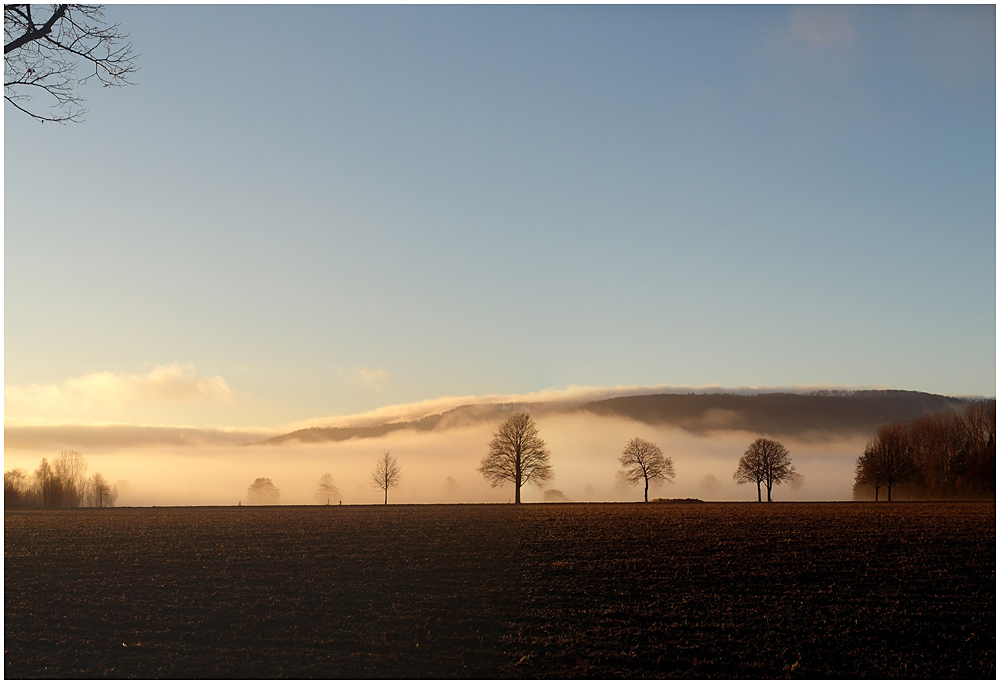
column 483, row 591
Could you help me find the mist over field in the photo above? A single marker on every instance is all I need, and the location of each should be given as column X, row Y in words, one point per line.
column 440, row 466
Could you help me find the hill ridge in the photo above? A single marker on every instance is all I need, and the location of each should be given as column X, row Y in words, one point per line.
column 776, row 413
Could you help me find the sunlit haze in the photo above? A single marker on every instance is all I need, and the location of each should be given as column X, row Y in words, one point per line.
column 313, row 216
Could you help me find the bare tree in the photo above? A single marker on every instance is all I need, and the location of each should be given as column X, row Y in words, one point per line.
column 16, row 487
column 43, row 46
column 70, row 470
column 979, row 424
column 951, row 454
column 516, row 454
column 643, row 461
column 554, row 496
column 889, row 451
column 100, row 489
column 710, row 483
column 750, row 469
column 326, row 489
column 765, row 461
column 263, row 491
column 387, row 474
column 866, row 472
column 44, row 483
column 113, row 495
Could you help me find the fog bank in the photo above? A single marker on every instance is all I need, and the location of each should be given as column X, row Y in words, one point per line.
column 440, row 466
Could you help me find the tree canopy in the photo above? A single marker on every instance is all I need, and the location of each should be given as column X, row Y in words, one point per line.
column 517, row 455
column 326, row 491
column 263, row 491
column 643, row 461
column 765, row 461
column 387, row 474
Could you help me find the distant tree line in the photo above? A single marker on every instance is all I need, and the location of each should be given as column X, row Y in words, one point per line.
column 950, row 455
column 60, row 484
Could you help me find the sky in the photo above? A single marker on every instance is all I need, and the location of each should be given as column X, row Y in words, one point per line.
column 310, row 211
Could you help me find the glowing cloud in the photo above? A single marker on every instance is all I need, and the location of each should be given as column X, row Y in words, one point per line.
column 174, row 383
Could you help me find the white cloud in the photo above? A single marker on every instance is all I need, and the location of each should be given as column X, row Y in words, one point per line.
column 174, row 383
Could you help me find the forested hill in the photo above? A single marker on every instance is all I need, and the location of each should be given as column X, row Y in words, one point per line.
column 777, row 413
column 786, row 413
column 457, row 417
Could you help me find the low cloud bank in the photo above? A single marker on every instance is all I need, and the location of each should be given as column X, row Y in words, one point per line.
column 78, row 437
column 572, row 396
column 817, row 416
column 440, row 467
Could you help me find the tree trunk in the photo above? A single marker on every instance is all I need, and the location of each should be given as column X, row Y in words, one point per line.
column 876, row 493
column 517, row 493
column 386, row 502
column 646, row 494
column 758, row 492
column 769, row 493
column 888, row 489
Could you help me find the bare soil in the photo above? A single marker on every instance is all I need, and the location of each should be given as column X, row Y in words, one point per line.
column 480, row 591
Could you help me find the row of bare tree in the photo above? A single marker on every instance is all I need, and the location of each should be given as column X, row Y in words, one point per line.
column 61, row 484
column 518, row 455
column 939, row 456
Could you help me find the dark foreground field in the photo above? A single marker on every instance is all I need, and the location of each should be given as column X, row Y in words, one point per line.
column 692, row 590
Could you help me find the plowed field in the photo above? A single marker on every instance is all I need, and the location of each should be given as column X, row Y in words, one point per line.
column 561, row 590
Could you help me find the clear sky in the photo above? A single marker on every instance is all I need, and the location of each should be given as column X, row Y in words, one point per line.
column 309, row 211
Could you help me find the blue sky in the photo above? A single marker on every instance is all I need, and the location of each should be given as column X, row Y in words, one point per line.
column 310, row 211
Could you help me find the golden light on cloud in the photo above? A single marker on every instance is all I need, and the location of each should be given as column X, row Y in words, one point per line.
column 173, row 383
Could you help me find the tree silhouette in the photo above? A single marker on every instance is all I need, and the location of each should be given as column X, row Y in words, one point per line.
column 890, row 456
column 70, row 471
column 16, row 487
column 61, row 484
column 100, row 490
column 387, row 474
column 765, row 461
column 263, row 491
column 939, row 456
column 326, row 490
column 867, row 472
column 44, row 483
column 44, row 44
column 516, row 454
column 643, row 461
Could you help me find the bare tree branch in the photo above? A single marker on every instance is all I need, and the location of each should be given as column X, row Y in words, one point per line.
column 45, row 57
column 32, row 33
